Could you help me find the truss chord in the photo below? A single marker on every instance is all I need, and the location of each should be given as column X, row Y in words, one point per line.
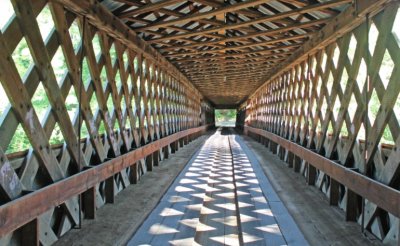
column 80, row 113
column 366, row 119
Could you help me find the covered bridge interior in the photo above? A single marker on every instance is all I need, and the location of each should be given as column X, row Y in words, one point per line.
column 95, row 94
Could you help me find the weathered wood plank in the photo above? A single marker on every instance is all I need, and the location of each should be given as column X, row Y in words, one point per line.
column 37, row 202
column 380, row 194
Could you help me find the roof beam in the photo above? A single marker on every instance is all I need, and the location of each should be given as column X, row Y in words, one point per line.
column 237, row 77
column 222, row 57
column 176, row 13
column 269, row 18
column 257, row 34
column 230, row 8
column 200, row 52
column 206, row 68
column 226, row 69
column 175, row 28
column 235, row 61
column 148, row 8
column 242, row 73
column 171, row 13
column 216, row 84
column 237, row 47
column 231, row 72
column 215, row 4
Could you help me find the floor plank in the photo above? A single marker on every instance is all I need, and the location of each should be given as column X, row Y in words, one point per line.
column 223, row 199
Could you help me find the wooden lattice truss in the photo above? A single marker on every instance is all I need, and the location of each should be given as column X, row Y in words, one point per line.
column 326, row 102
column 226, row 47
column 128, row 98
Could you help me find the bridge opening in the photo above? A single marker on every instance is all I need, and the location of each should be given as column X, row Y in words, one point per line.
column 225, row 117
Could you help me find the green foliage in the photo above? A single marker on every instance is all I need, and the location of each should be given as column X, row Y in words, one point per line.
column 40, row 102
column 56, row 136
column 75, row 35
column 19, row 141
column 22, row 57
column 71, row 103
column 225, row 117
column 59, row 65
column 46, row 23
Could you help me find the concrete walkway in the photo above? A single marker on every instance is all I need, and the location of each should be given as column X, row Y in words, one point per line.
column 222, row 197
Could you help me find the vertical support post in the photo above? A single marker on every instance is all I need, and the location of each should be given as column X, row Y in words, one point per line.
column 173, row 147
column 290, row 159
column 89, row 203
column 281, row 152
column 156, row 158
column 273, row 147
column 351, row 206
column 30, row 233
column 149, row 162
column 311, row 174
column 297, row 164
column 134, row 174
column 266, row 142
column 181, row 143
column 166, row 152
column 186, row 140
column 109, row 189
column 334, row 193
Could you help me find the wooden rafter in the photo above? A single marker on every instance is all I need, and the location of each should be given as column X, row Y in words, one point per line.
column 198, row 16
column 236, row 47
column 310, row 8
column 148, row 8
column 216, row 32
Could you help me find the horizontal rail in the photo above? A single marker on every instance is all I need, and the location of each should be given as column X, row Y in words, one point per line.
column 27, row 208
column 382, row 195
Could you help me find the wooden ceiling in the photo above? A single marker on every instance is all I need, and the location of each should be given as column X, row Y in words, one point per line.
column 226, row 48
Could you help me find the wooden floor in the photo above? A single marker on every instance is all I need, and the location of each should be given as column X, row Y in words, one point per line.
column 320, row 223
column 222, row 197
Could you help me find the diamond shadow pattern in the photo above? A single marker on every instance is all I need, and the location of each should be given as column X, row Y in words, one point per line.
column 218, row 199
